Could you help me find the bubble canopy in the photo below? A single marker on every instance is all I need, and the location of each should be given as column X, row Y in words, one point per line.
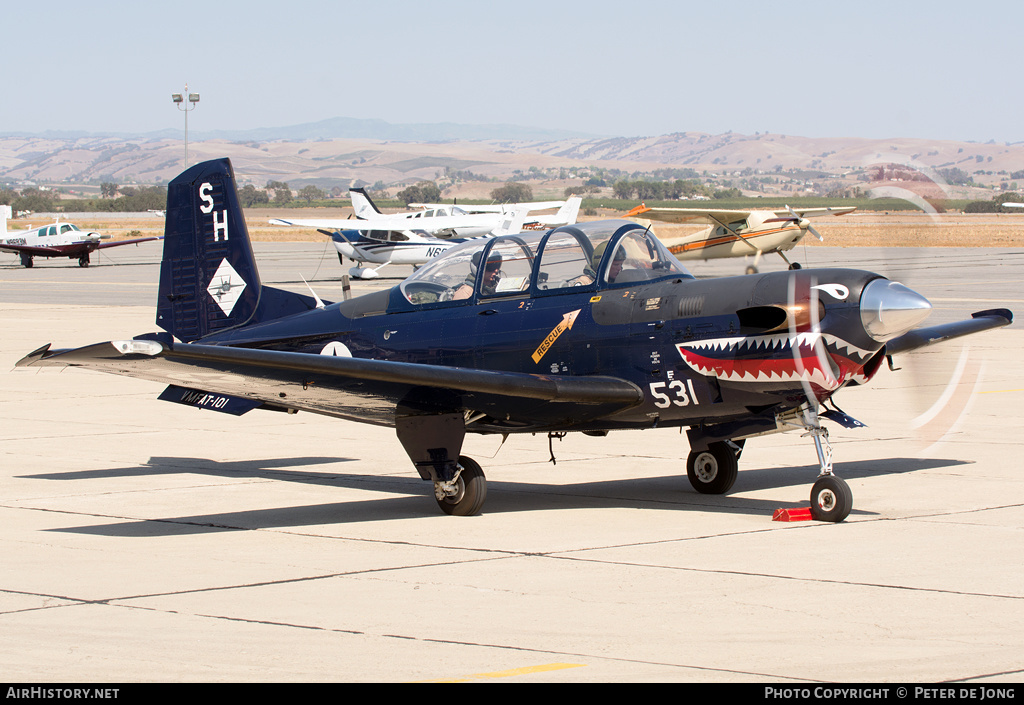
column 573, row 258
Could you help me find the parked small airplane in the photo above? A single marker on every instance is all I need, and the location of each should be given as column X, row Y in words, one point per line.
column 441, row 220
column 738, row 233
column 362, row 241
column 56, row 240
column 568, row 211
column 592, row 328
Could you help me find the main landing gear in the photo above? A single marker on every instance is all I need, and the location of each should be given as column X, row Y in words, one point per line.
column 713, row 471
column 433, row 442
column 465, row 494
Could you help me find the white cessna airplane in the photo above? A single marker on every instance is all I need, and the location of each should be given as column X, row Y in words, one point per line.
column 56, row 240
column 367, row 242
column 568, row 211
column 450, row 220
column 737, row 233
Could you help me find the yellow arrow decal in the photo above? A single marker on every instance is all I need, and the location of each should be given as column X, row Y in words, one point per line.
column 563, row 325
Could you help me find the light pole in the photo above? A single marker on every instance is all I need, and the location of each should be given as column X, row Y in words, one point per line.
column 179, row 100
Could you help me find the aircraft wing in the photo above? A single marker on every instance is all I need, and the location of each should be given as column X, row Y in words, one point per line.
column 434, row 225
column 706, row 216
column 327, row 224
column 713, row 216
column 351, row 388
column 134, row 241
column 923, row 337
column 494, row 208
column 815, row 212
column 31, row 250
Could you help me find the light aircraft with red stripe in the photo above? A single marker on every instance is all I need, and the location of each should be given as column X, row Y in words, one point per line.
column 57, row 240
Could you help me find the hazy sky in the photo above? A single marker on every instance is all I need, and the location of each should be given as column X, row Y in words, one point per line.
column 899, row 68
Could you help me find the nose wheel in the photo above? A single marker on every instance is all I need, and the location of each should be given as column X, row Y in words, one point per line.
column 831, row 499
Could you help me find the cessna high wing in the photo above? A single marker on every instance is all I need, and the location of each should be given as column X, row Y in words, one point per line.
column 738, row 233
column 364, row 242
column 590, row 328
column 56, row 240
column 434, row 218
column 567, row 213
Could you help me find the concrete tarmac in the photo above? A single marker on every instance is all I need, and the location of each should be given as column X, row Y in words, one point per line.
column 142, row 541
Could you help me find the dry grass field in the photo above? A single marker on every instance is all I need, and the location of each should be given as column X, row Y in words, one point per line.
column 865, row 229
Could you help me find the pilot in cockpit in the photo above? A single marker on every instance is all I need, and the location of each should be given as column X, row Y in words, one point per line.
column 492, row 275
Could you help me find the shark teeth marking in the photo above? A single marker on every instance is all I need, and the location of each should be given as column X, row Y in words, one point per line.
column 820, row 359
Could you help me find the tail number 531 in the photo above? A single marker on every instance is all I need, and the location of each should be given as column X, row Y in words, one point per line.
column 675, row 392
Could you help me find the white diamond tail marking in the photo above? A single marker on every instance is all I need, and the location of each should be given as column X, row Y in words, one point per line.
column 226, row 287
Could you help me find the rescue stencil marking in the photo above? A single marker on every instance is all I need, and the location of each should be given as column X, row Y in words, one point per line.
column 563, row 325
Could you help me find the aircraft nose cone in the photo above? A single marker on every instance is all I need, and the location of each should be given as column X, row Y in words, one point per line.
column 889, row 309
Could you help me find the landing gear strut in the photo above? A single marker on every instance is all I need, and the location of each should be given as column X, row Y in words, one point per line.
column 831, row 497
column 433, row 442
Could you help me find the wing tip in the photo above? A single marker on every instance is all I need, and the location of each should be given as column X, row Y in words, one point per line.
column 34, row 356
column 995, row 313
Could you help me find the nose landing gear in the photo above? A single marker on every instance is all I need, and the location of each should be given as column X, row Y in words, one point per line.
column 831, row 497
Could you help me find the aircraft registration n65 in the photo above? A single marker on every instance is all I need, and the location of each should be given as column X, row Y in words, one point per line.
column 593, row 327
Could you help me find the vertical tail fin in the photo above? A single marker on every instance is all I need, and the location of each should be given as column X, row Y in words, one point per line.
column 362, row 204
column 512, row 221
column 209, row 282
column 5, row 215
column 569, row 211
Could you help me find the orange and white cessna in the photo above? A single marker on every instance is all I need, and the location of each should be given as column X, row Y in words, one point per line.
column 737, row 233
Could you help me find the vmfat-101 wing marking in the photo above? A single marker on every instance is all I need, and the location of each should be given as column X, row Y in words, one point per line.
column 352, row 388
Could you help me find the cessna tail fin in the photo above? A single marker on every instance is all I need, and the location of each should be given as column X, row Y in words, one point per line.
column 512, row 221
column 208, row 277
column 5, row 215
column 362, row 204
column 570, row 211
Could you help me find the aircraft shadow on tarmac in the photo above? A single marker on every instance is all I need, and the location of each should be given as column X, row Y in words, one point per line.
column 411, row 496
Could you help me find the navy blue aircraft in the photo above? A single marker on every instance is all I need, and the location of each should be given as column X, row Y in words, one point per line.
column 592, row 327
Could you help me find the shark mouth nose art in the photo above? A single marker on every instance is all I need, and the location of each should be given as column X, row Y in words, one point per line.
column 820, row 359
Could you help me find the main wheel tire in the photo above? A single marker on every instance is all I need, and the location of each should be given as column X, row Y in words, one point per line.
column 713, row 471
column 831, row 499
column 472, row 490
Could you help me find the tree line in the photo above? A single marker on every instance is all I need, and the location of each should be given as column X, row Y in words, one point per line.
column 125, row 199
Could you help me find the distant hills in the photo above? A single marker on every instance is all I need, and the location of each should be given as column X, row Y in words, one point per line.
column 338, row 128
column 340, row 152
